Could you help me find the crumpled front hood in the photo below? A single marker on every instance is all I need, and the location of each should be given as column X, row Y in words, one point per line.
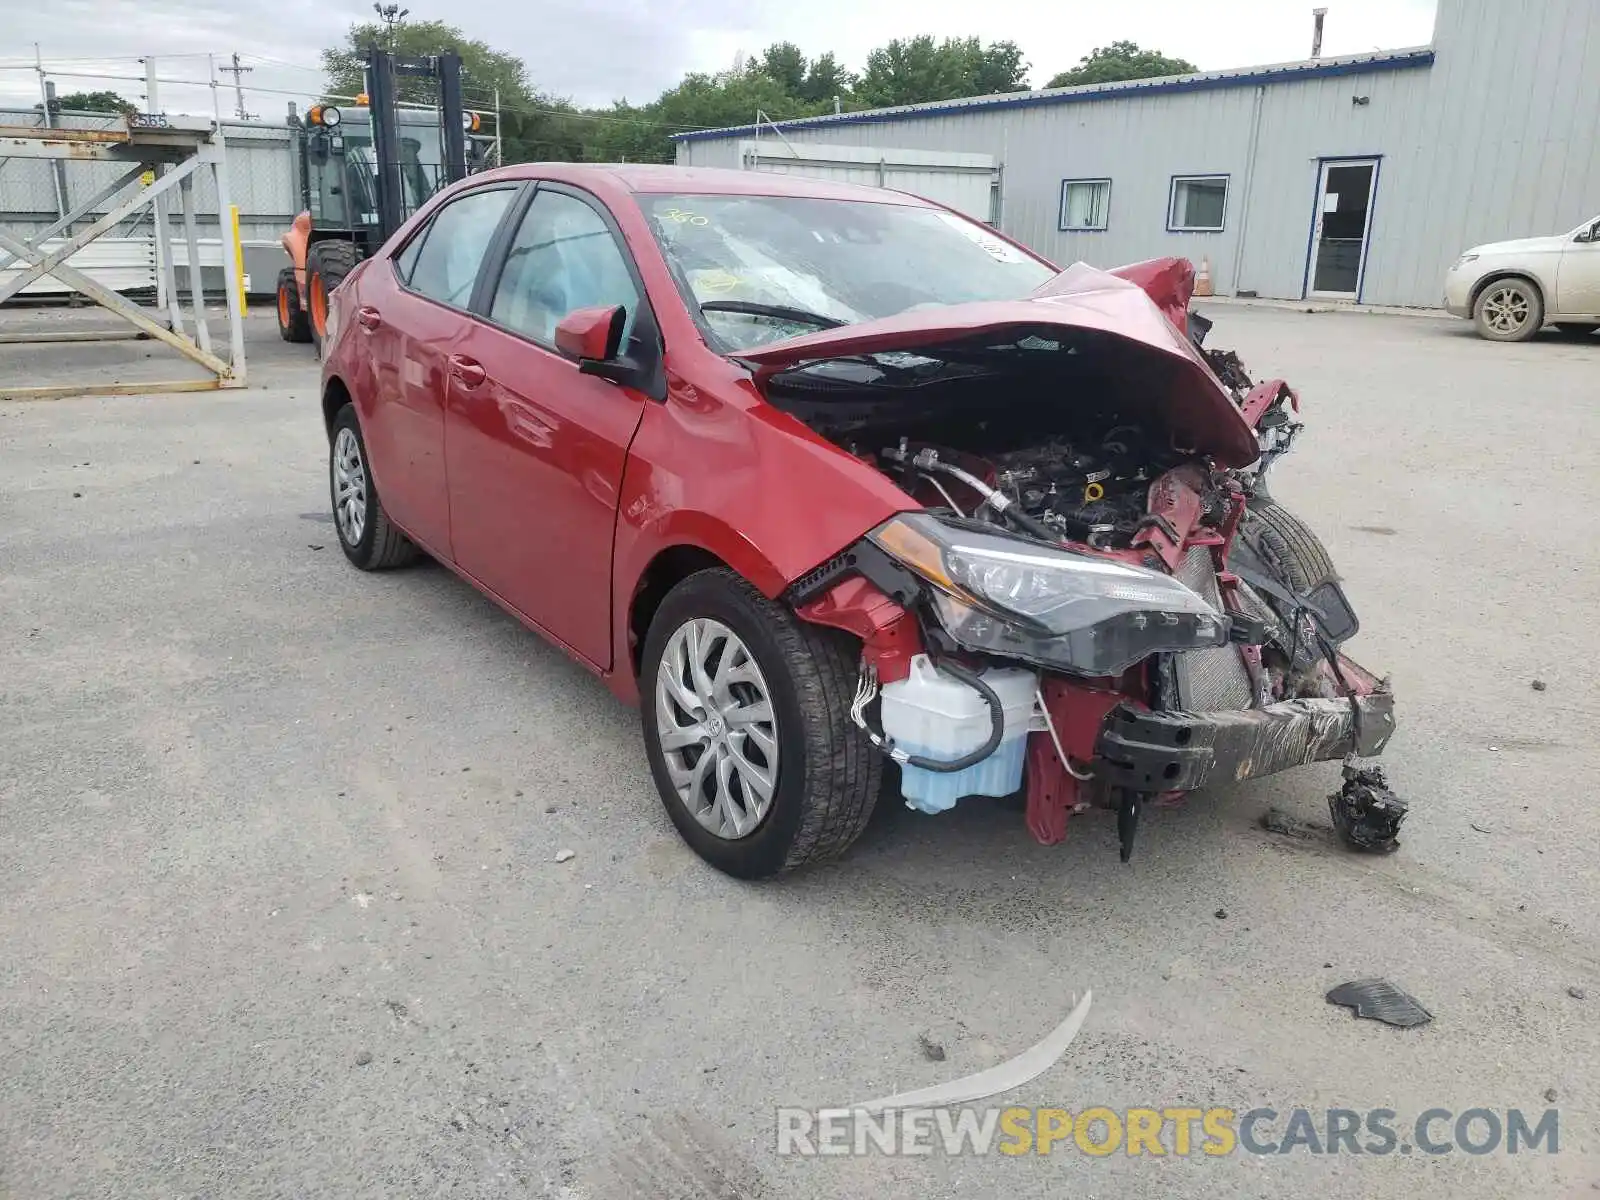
column 1180, row 383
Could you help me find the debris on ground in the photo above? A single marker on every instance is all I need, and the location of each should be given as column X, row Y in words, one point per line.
column 363, row 1058
column 1221, row 914
column 1366, row 814
column 1478, row 827
column 565, row 855
column 312, row 546
column 931, row 1050
column 1380, row 1000
column 1275, row 820
column 1577, row 993
column 1549, row 1095
column 1538, row 685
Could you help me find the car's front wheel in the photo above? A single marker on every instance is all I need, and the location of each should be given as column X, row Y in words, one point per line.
column 367, row 536
column 746, row 713
column 1509, row 310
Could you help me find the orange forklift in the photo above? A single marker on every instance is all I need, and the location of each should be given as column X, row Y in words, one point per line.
column 363, row 171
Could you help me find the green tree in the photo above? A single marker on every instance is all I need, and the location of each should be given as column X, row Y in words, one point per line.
column 826, row 79
column 534, row 126
column 785, row 65
column 95, row 102
column 919, row 69
column 643, row 133
column 1119, row 61
column 483, row 69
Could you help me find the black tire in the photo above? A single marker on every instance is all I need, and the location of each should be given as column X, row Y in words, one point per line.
column 1287, row 542
column 326, row 267
column 828, row 774
column 379, row 545
column 1577, row 328
column 1509, row 310
column 293, row 326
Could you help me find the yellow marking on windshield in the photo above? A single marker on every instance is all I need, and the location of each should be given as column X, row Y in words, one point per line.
column 684, row 217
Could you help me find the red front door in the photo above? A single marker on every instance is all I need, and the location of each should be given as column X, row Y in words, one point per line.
column 535, row 451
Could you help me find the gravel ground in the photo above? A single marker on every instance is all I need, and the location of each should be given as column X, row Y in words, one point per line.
column 280, row 913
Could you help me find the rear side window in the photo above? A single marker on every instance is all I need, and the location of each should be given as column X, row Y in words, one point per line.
column 406, row 261
column 564, row 257
column 452, row 249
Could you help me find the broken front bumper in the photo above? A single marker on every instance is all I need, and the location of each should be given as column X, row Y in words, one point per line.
column 1180, row 751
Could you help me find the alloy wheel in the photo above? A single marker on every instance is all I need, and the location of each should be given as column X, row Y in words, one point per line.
column 717, row 728
column 349, row 487
column 1505, row 309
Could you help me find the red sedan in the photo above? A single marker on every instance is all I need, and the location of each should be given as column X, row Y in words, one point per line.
column 827, row 478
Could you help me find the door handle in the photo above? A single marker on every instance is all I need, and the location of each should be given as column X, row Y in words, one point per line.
column 469, row 371
column 367, row 317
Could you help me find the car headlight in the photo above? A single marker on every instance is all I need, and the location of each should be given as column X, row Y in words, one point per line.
column 1464, row 260
column 1074, row 612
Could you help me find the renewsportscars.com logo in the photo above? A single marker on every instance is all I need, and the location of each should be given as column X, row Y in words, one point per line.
column 1180, row 1132
column 944, row 1118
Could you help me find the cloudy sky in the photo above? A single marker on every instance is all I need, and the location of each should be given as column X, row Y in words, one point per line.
column 599, row 50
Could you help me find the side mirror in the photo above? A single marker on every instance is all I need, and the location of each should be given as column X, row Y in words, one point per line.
column 591, row 335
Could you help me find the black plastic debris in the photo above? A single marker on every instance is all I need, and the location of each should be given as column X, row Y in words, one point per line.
column 1365, row 812
column 1380, row 1000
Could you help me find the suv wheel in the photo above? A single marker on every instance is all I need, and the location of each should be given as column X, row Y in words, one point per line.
column 746, row 713
column 1509, row 310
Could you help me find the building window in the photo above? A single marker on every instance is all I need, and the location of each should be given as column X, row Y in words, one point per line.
column 1198, row 203
column 1085, row 203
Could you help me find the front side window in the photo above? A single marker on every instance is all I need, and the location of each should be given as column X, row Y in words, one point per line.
column 758, row 269
column 454, row 244
column 1198, row 204
column 564, row 257
column 1085, row 203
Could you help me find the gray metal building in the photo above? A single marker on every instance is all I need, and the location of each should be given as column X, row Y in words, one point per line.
column 1357, row 178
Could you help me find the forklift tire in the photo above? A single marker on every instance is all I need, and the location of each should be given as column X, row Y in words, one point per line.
column 326, row 266
column 292, row 323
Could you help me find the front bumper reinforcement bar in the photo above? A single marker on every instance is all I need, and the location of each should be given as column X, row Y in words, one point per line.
column 1180, row 751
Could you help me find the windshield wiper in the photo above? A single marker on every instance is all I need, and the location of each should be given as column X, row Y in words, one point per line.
column 778, row 311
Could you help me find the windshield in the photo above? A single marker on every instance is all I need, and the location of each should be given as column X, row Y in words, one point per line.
column 821, row 263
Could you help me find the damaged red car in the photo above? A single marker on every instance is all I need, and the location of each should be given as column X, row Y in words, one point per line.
column 837, row 484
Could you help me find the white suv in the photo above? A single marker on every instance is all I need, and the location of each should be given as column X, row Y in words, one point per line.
column 1510, row 290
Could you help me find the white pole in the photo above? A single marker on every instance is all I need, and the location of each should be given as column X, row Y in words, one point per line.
column 49, row 122
column 232, row 281
column 216, row 101
column 499, row 145
column 166, row 277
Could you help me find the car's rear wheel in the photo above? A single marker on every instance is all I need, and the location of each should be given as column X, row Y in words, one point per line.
column 367, row 536
column 293, row 325
column 326, row 266
column 1509, row 310
column 746, row 713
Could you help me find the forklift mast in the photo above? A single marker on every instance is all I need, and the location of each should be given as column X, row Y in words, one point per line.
column 382, row 69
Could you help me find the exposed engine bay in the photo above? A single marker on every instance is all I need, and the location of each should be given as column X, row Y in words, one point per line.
column 1224, row 664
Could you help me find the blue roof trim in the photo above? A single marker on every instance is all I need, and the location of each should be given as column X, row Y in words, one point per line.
column 1400, row 60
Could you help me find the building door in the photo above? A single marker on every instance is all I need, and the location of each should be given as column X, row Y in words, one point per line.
column 1340, row 227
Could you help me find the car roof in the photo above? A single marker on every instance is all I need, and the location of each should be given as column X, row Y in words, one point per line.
column 650, row 177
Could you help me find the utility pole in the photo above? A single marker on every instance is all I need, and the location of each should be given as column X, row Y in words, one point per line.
column 238, row 74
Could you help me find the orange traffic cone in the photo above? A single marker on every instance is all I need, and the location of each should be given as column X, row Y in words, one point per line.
column 1202, row 279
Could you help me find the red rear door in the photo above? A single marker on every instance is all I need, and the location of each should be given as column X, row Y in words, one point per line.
column 535, row 451
column 412, row 313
